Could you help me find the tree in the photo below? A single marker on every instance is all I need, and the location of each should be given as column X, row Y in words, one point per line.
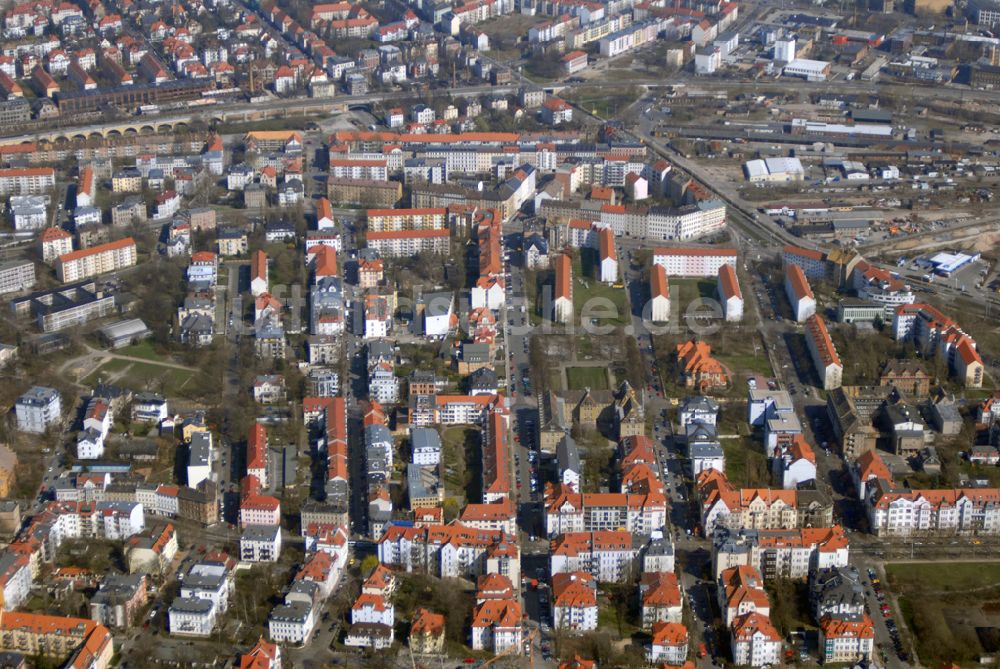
column 368, row 565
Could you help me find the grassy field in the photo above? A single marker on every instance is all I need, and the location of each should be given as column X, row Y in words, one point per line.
column 456, row 473
column 946, row 605
column 746, row 466
column 143, row 349
column 603, row 100
column 595, row 378
column 142, row 376
column 604, row 303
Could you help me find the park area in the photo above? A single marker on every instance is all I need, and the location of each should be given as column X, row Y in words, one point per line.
column 952, row 609
column 595, row 378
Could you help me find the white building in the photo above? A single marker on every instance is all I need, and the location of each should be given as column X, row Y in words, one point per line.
column 659, row 291
column 291, row 623
column 574, row 602
column 425, row 446
column 37, row 409
column 192, row 616
column 607, row 256
column 810, row 70
column 755, row 641
column 260, row 543
column 693, row 261
column 729, row 294
column 669, row 644
column 799, row 293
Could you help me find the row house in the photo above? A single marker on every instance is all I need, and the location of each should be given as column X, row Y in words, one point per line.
column 936, row 334
column 901, row 512
column 781, row 553
column 451, row 551
column 723, row 505
column 609, row 556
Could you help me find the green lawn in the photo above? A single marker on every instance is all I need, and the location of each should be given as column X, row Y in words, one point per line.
column 912, row 578
column 748, row 363
column 746, row 466
column 143, row 349
column 595, row 300
column 454, row 470
column 603, row 100
column 595, row 378
column 141, row 376
column 944, row 604
column 687, row 290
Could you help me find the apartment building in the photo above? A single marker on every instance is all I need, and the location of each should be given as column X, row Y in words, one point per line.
column 824, row 354
column 901, row 512
column 780, row 553
column 755, row 642
column 693, row 261
column 81, row 642
column 84, row 263
column 936, row 334
column 574, row 602
column 26, row 180
column 16, row 275
column 563, row 289
column 450, row 551
column 846, row 640
column 396, row 220
column 659, row 289
column 394, row 244
column 877, row 286
column 729, row 294
column 37, row 409
column 723, row 505
column 799, row 293
column 609, row 556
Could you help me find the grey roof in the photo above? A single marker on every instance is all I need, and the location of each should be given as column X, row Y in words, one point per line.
column 260, row 533
column 424, row 438
column 191, row 605
column 296, row 612
column 38, row 396
column 699, row 403
column 380, row 349
column 476, row 352
column 422, row 481
column 483, row 378
column 700, row 432
column 568, row 455
column 702, row 450
column 117, row 588
column 437, row 304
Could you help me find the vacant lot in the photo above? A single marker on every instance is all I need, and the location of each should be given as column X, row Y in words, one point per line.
column 595, row 378
column 951, row 608
column 139, row 376
column 593, row 300
column 603, row 100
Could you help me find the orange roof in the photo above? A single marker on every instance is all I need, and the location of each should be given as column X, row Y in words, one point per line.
column 573, row 55
column 258, row 265
column 342, row 136
column 859, row 629
column 660, row 589
column 576, row 590
column 816, row 329
column 94, row 250
column 14, row 172
column 696, row 357
column 326, row 261
column 87, row 180
column 261, row 656
column 286, row 135
column 324, row 209
column 658, row 284
column 606, row 240
column 968, row 351
column 341, row 162
column 797, row 280
column 805, row 253
column 257, row 447
column 576, row 662
column 746, row 626
column 564, row 276
column 498, row 511
column 728, row 284
column 497, row 613
column 871, row 465
column 669, row 634
column 53, row 234
column 801, row 450
column 425, row 622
